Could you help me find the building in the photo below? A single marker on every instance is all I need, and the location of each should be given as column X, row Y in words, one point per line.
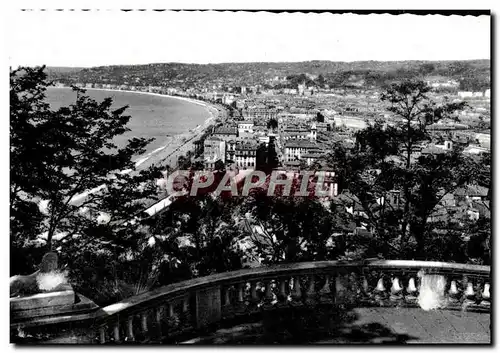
column 311, row 157
column 301, row 89
column 439, row 82
column 240, row 104
column 214, row 149
column 226, row 133
column 260, row 111
column 230, row 150
column 324, row 126
column 227, row 99
column 476, row 150
column 431, row 150
column 465, row 94
column 296, row 149
column 446, row 146
column 245, row 154
column 245, row 129
column 295, row 132
column 471, row 193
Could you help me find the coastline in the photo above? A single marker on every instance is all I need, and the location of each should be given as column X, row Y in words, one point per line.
column 179, row 144
column 190, row 100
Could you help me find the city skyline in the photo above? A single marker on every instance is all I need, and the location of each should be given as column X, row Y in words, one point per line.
column 238, row 37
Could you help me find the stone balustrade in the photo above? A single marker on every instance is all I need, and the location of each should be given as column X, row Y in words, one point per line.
column 190, row 306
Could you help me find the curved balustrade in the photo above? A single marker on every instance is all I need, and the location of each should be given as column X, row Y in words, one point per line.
column 192, row 305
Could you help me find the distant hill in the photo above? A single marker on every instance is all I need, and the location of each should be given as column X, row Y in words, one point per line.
column 189, row 75
column 62, row 69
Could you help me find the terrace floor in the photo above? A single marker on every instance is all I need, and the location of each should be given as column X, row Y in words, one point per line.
column 356, row 326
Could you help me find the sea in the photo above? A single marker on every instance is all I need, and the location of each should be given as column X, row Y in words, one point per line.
column 152, row 116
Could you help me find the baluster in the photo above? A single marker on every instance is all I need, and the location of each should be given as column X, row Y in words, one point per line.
column 380, row 290
column 172, row 320
column 311, row 292
column 340, row 290
column 470, row 295
column 227, row 296
column 226, row 307
column 296, row 292
column 158, row 315
column 396, row 290
column 102, row 334
column 158, row 320
column 253, row 292
column 283, row 295
column 254, row 297
column 143, row 334
column 453, row 294
column 116, row 332
column 144, row 321
column 325, row 294
column 354, row 289
column 130, row 329
column 269, row 295
column 185, row 314
column 380, row 286
column 365, row 288
column 486, row 300
column 469, row 292
column 241, row 307
column 411, row 291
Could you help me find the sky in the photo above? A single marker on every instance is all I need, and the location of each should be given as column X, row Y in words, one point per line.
column 96, row 38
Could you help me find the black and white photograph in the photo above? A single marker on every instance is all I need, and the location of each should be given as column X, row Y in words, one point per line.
column 250, row 177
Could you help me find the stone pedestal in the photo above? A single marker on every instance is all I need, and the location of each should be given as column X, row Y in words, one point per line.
column 48, row 305
column 30, row 315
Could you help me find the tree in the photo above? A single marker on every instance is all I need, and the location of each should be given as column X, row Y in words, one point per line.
column 320, row 80
column 261, row 157
column 272, row 155
column 70, row 182
column 219, row 166
column 291, row 229
column 199, row 232
column 396, row 190
column 427, row 68
column 458, row 68
column 320, row 118
column 272, row 124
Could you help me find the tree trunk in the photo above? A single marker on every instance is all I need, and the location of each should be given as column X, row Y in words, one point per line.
column 418, row 233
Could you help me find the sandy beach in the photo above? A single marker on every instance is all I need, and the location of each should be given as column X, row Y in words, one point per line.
column 178, row 146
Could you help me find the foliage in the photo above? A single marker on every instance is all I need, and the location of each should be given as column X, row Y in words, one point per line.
column 383, row 168
column 291, row 229
column 68, row 189
column 199, row 232
column 261, row 157
column 219, row 166
column 320, row 118
column 272, row 155
column 272, row 124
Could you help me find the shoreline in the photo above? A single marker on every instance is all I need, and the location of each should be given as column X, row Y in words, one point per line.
column 190, row 100
column 179, row 142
